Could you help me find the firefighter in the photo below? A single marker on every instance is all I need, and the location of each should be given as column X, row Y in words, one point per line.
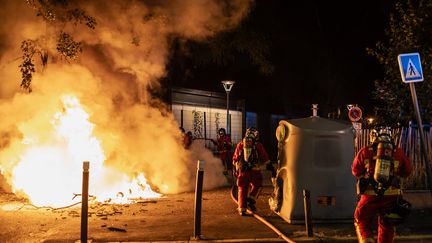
column 224, row 146
column 187, row 138
column 248, row 156
column 379, row 168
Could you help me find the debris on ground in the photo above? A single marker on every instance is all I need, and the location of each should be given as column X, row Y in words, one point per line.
column 111, row 228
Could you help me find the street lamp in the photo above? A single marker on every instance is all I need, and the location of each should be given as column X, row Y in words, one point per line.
column 228, row 84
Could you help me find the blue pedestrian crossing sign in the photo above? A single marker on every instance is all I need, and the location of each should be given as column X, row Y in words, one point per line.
column 410, row 67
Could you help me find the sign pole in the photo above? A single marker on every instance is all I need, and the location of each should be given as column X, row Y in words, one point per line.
column 422, row 140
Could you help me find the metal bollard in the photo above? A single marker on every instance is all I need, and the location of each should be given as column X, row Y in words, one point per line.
column 84, row 201
column 198, row 199
column 307, row 212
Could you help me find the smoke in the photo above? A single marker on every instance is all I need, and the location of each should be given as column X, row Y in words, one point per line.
column 122, row 58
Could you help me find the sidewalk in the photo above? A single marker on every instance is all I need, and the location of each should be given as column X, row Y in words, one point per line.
column 172, row 219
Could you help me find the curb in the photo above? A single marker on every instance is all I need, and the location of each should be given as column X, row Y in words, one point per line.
column 409, row 238
column 198, row 240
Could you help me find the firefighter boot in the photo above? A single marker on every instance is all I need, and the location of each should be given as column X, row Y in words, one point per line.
column 242, row 211
column 251, row 204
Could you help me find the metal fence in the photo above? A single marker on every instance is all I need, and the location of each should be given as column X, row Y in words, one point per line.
column 409, row 140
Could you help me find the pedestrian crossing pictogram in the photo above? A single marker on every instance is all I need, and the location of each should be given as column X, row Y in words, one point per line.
column 410, row 67
column 412, row 71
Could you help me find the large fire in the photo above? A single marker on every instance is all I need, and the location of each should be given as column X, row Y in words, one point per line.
column 50, row 173
column 97, row 107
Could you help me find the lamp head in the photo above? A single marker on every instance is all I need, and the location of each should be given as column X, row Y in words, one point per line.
column 228, row 84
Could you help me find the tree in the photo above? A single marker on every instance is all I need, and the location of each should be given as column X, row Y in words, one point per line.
column 57, row 13
column 408, row 31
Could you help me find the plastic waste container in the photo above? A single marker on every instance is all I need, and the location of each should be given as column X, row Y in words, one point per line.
column 314, row 154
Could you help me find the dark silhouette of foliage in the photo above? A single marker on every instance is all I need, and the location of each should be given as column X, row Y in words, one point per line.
column 27, row 67
column 67, row 47
column 52, row 12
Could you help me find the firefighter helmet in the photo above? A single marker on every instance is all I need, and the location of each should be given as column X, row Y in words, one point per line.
column 377, row 132
column 221, row 132
column 253, row 131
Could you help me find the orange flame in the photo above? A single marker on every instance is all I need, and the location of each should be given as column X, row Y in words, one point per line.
column 50, row 171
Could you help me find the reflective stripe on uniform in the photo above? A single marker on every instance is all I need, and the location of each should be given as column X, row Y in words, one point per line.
column 391, row 191
column 366, row 164
column 396, row 165
column 360, row 237
column 367, row 240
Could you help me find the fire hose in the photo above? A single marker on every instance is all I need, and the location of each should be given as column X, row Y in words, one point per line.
column 258, row 217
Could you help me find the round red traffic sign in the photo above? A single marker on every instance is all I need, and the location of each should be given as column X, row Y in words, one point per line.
column 355, row 114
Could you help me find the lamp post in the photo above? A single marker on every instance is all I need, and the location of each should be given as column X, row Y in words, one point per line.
column 228, row 84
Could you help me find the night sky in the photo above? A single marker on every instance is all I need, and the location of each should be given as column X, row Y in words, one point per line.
column 318, row 50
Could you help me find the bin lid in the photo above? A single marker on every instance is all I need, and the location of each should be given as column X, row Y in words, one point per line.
column 320, row 124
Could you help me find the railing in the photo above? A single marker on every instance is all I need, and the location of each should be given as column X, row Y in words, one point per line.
column 409, row 140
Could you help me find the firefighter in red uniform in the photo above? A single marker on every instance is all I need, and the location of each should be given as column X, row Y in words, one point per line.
column 378, row 168
column 248, row 157
column 224, row 146
column 186, row 138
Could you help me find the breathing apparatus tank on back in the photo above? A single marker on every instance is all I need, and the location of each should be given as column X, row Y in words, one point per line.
column 384, row 164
